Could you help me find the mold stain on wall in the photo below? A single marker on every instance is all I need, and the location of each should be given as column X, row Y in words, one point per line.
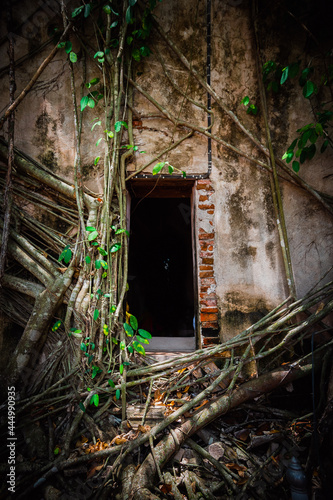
column 45, row 127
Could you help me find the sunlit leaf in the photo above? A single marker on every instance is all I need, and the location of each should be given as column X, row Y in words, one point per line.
column 56, row 325
column 144, row 334
column 96, row 314
column 73, row 57
column 128, row 329
column 115, row 247
column 158, row 167
column 133, row 322
column 93, row 235
column 139, row 348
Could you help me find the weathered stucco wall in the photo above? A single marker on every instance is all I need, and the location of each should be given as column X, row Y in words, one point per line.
column 247, row 275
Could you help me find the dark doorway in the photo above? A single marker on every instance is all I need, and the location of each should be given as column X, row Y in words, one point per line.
column 161, row 292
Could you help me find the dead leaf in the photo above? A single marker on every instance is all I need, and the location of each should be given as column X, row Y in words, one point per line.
column 166, row 488
column 62, row 269
column 120, row 439
column 143, row 428
column 93, row 470
column 202, row 404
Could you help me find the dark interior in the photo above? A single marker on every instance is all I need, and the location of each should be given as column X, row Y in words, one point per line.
column 160, row 278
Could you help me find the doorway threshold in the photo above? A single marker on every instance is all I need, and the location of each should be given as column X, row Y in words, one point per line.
column 171, row 344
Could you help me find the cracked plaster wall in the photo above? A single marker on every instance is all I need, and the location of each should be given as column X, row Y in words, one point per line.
column 248, row 268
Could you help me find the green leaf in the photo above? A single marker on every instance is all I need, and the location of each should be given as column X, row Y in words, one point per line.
column 73, row 57
column 128, row 16
column 91, row 102
column 104, row 264
column 158, row 167
column 96, row 160
column 288, row 156
column 120, row 231
column 324, row 146
column 87, row 9
column 82, row 407
column 95, row 399
column 106, row 329
column 171, row 169
column 111, row 383
column 94, row 81
column 295, row 166
column 114, row 24
column 284, row 76
column 121, row 369
column 84, row 102
column 66, row 254
column 102, row 251
column 141, row 339
column 56, row 325
column 308, row 89
column 77, row 11
column 144, row 334
column 118, row 394
column 93, row 235
column 128, row 329
column 68, row 47
column 56, row 450
column 245, row 100
column 117, row 126
column 98, row 264
column 129, row 40
column 96, row 314
column 122, row 345
column 130, row 349
column 136, row 55
column 61, row 45
column 90, row 228
column 133, row 322
column 132, row 2
column 184, row 174
column 319, row 128
column 83, row 346
column 115, row 247
column 145, row 51
column 99, row 54
column 95, row 371
column 139, row 348
column 107, row 9
column 96, row 123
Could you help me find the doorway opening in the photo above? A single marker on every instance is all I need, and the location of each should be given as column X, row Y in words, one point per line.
column 161, row 267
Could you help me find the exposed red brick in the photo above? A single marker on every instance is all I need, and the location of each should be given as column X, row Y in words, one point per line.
column 208, row 317
column 137, row 123
column 210, row 212
column 204, row 182
column 209, row 310
column 206, row 187
column 206, row 274
column 203, row 197
column 207, row 281
column 210, row 324
column 207, row 297
column 208, row 260
column 206, row 236
column 203, row 289
column 206, row 207
column 207, row 303
column 206, row 268
column 210, row 248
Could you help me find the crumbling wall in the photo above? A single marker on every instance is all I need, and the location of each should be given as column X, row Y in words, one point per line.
column 240, row 271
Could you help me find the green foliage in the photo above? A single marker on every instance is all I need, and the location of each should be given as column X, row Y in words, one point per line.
column 159, row 167
column 65, row 255
column 251, row 108
column 56, row 325
column 304, row 147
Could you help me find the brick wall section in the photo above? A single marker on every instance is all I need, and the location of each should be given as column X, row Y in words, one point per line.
column 208, row 310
